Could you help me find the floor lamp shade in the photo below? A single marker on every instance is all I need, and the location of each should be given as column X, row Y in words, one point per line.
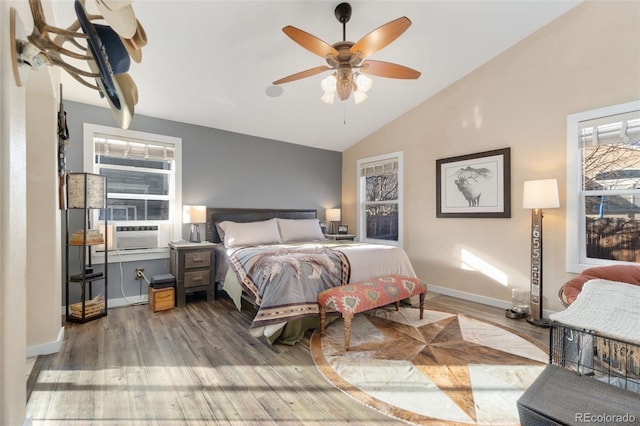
column 194, row 215
column 538, row 194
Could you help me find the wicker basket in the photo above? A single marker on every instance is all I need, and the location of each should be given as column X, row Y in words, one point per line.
column 92, row 307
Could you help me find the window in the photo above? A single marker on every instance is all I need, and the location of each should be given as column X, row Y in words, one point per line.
column 143, row 179
column 380, row 199
column 603, row 181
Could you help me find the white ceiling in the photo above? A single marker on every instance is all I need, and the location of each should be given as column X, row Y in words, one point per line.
column 210, row 62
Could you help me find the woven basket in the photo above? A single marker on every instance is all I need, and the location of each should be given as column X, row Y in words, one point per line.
column 92, row 307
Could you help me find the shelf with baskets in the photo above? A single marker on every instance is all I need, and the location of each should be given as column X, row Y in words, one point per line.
column 85, row 192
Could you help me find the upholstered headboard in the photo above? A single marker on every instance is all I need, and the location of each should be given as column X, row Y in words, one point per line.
column 250, row 215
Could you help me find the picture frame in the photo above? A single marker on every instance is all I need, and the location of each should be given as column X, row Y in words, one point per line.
column 343, row 229
column 474, row 185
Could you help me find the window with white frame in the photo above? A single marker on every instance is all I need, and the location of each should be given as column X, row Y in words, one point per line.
column 143, row 173
column 603, row 181
column 380, row 198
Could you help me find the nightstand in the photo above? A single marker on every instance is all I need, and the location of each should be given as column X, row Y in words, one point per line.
column 337, row 237
column 193, row 265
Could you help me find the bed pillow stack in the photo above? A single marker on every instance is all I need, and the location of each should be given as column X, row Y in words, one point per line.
column 272, row 231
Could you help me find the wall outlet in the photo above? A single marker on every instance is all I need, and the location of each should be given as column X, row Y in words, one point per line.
column 139, row 273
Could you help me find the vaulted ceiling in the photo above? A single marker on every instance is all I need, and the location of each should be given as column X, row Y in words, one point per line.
column 211, row 63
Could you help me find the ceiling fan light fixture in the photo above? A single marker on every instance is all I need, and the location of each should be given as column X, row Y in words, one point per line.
column 344, row 85
column 347, row 59
column 359, row 96
column 328, row 97
column 363, row 82
column 328, row 84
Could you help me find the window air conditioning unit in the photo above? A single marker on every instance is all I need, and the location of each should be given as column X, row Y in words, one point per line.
column 135, row 237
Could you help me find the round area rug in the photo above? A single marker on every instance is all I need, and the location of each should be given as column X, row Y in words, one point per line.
column 444, row 369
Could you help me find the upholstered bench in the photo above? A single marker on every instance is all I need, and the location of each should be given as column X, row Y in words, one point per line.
column 358, row 297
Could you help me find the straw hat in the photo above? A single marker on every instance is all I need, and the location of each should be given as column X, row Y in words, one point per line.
column 135, row 44
column 124, row 98
column 119, row 15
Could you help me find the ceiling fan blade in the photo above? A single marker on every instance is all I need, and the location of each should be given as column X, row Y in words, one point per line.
column 310, row 42
column 380, row 37
column 389, row 70
column 302, row 74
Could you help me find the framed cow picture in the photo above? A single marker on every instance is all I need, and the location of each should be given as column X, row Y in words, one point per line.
column 474, row 185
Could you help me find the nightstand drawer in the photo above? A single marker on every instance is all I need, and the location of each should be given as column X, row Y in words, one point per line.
column 198, row 259
column 197, row 278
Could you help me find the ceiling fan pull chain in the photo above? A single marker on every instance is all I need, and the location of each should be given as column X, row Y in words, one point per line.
column 344, row 113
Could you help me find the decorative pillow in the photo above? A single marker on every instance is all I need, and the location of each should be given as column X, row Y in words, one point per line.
column 250, row 233
column 300, row 230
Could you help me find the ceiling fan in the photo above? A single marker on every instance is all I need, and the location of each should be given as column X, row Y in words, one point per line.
column 348, row 59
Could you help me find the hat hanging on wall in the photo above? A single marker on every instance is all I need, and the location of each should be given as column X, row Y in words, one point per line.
column 119, row 15
column 124, row 96
column 108, row 52
column 135, row 44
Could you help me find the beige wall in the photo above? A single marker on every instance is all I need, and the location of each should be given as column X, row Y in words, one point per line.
column 13, row 325
column 586, row 59
column 29, row 220
column 44, row 322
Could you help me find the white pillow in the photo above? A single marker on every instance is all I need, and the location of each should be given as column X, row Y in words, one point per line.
column 250, row 233
column 300, row 230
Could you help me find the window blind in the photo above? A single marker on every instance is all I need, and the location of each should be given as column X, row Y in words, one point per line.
column 618, row 129
column 133, row 148
column 378, row 168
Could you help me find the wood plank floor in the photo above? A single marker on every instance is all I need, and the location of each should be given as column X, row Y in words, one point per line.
column 198, row 366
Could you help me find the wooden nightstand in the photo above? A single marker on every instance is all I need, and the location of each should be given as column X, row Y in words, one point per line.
column 193, row 265
column 349, row 237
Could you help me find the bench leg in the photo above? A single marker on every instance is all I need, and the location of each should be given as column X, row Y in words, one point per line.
column 397, row 305
column 347, row 330
column 421, row 305
column 323, row 319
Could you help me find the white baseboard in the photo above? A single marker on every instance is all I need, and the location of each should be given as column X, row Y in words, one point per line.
column 47, row 348
column 120, row 302
column 489, row 301
column 133, row 300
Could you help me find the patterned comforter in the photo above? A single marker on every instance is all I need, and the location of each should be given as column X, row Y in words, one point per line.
column 284, row 281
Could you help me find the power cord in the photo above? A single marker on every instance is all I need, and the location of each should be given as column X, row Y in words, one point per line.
column 130, row 303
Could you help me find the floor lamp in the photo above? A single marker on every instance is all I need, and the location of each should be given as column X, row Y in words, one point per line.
column 538, row 195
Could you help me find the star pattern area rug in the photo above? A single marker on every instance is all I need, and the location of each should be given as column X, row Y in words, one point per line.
column 444, row 369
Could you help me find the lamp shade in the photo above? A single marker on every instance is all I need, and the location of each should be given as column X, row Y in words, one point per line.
column 85, row 191
column 540, row 194
column 194, row 214
column 333, row 215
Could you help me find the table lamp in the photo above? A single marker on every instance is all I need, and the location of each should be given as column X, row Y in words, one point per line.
column 333, row 217
column 194, row 215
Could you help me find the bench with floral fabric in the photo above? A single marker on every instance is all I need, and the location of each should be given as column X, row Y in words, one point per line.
column 362, row 296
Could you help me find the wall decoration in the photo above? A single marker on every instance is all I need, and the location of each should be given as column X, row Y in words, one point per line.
column 474, row 185
column 105, row 50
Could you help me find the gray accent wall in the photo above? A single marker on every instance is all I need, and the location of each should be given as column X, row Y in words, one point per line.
column 226, row 169
column 221, row 169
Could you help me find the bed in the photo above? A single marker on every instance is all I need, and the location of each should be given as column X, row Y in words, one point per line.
column 279, row 260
